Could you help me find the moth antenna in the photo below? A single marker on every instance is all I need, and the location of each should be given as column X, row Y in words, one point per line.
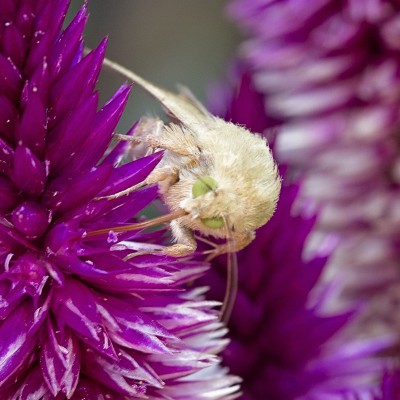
column 132, row 77
column 139, row 225
column 232, row 279
column 178, row 106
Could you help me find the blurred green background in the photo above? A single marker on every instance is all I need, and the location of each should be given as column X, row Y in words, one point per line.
column 167, row 42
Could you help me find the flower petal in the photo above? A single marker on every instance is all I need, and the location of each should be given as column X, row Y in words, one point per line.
column 31, row 131
column 65, row 193
column 33, row 387
column 70, row 134
column 27, row 164
column 8, row 120
column 76, row 305
column 110, row 375
column 72, row 87
column 16, row 343
column 45, row 31
column 13, row 44
column 67, row 46
column 8, row 195
column 10, row 79
column 60, row 360
column 101, row 133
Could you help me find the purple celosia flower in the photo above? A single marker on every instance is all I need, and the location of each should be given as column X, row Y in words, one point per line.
column 283, row 344
column 329, row 71
column 78, row 321
column 389, row 389
column 390, row 386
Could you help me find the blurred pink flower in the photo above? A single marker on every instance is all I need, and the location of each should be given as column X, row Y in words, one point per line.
column 283, row 344
column 330, row 74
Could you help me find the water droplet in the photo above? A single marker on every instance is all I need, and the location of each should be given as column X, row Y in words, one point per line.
column 112, row 237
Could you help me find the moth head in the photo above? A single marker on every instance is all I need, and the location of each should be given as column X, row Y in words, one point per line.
column 205, row 188
column 245, row 203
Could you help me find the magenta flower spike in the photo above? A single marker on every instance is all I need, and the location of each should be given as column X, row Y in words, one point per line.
column 284, row 343
column 77, row 320
column 389, row 389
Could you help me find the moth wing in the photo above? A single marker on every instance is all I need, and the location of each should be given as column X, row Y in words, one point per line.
column 187, row 94
column 183, row 107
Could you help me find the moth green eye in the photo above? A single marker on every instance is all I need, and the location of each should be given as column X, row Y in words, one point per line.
column 203, row 185
column 213, row 223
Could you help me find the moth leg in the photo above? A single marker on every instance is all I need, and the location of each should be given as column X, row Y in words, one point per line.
column 185, row 241
column 146, row 127
column 122, row 192
column 127, row 138
column 185, row 245
column 166, row 175
column 178, row 140
column 237, row 241
column 138, row 147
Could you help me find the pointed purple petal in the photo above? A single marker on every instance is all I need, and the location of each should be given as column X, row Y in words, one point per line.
column 135, row 329
column 126, row 209
column 70, row 134
column 13, row 45
column 103, row 346
column 10, row 79
column 68, row 44
column 16, row 344
column 6, row 157
column 66, row 193
column 103, row 128
column 8, row 9
column 8, row 195
column 79, row 81
column 89, row 389
column 9, row 241
column 31, row 131
column 38, row 84
column 25, row 19
column 76, row 305
column 180, row 364
column 131, row 173
column 26, row 164
column 46, row 28
column 116, row 275
column 106, row 372
column 133, row 369
column 8, row 118
column 60, row 360
column 33, row 387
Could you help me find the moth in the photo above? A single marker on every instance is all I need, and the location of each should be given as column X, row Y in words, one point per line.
column 216, row 178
